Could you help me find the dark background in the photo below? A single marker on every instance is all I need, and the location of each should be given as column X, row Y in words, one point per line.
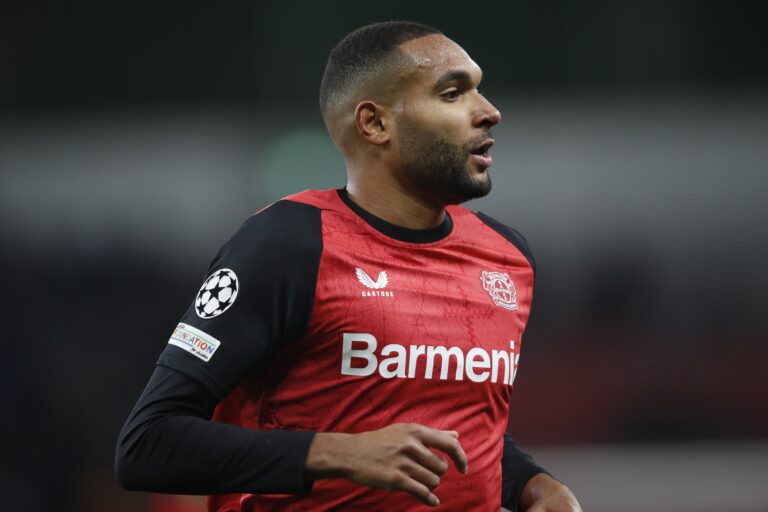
column 86, row 56
column 135, row 137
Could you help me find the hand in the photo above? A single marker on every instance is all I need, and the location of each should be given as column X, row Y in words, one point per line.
column 395, row 458
column 543, row 493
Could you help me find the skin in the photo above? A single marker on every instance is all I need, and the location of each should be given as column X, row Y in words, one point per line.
column 543, row 493
column 381, row 127
column 406, row 134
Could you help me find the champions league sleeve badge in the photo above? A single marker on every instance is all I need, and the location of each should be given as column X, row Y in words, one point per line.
column 217, row 294
column 501, row 289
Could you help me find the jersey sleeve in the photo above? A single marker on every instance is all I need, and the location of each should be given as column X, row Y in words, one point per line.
column 512, row 235
column 517, row 467
column 256, row 297
column 168, row 444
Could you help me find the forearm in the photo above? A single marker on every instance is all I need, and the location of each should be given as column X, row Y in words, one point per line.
column 544, row 493
column 190, row 455
column 169, row 445
column 517, row 469
column 535, row 489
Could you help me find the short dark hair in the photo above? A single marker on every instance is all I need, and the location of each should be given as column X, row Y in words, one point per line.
column 362, row 51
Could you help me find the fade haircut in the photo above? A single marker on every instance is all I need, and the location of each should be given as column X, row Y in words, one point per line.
column 363, row 51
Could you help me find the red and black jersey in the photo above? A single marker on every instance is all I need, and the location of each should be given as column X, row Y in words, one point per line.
column 318, row 316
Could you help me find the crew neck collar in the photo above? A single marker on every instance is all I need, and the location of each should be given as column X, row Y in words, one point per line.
column 414, row 236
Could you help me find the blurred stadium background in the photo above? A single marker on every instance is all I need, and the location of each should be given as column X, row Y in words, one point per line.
column 633, row 154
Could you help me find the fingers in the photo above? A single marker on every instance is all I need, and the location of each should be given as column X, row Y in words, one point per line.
column 417, row 489
column 401, row 458
column 429, row 459
column 446, row 442
column 422, row 475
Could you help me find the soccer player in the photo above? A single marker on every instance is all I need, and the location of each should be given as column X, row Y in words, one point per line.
column 347, row 344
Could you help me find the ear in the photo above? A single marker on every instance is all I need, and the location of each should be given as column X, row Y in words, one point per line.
column 371, row 122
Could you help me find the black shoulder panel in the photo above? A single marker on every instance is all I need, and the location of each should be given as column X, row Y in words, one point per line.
column 273, row 259
column 280, row 248
column 512, row 235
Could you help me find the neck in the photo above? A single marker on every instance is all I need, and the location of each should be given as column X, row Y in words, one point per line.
column 388, row 200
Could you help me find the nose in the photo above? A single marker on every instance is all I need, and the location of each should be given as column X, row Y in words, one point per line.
column 486, row 115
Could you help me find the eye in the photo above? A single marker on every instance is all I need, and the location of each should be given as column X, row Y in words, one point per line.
column 450, row 95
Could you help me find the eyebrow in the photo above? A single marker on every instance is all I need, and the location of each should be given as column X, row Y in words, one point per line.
column 457, row 74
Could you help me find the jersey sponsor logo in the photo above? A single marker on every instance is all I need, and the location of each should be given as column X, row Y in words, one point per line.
column 217, row 294
column 501, row 289
column 359, row 357
column 198, row 343
column 376, row 287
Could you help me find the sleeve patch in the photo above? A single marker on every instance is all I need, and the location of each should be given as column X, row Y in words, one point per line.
column 198, row 343
column 217, row 294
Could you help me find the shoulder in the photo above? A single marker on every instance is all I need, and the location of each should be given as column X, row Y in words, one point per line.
column 320, row 199
column 284, row 229
column 276, row 217
column 509, row 233
column 289, row 218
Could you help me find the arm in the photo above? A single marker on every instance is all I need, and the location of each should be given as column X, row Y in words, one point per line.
column 528, row 487
column 517, row 468
column 169, row 444
column 543, row 493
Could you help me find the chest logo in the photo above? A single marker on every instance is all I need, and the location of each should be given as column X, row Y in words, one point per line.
column 501, row 289
column 375, row 288
column 380, row 282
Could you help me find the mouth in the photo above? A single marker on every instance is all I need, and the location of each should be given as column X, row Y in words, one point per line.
column 480, row 153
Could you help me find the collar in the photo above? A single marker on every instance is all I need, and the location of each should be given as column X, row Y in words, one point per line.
column 414, row 236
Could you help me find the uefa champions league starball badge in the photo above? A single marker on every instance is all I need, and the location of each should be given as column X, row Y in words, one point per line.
column 217, row 294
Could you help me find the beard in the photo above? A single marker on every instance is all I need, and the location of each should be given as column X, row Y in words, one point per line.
column 439, row 171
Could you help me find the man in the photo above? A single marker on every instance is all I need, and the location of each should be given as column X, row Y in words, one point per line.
column 350, row 341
